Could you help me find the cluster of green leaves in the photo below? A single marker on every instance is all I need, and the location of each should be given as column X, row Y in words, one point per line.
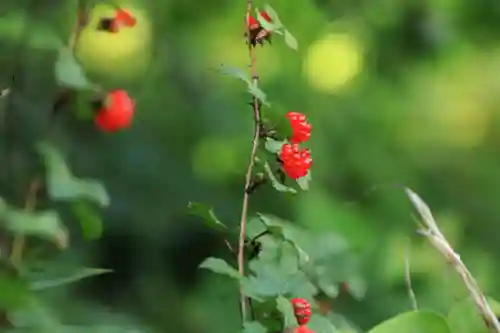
column 20, row 280
column 463, row 318
column 290, row 262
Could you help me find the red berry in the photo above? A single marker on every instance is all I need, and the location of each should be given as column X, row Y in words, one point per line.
column 296, row 161
column 266, row 16
column 301, row 128
column 124, row 17
column 302, row 310
column 252, row 23
column 117, row 113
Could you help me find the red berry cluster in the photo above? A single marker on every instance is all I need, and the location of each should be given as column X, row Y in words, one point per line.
column 121, row 18
column 302, row 311
column 301, row 128
column 296, row 161
column 257, row 33
column 116, row 112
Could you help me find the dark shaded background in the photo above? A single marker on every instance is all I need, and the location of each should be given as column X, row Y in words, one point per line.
column 397, row 92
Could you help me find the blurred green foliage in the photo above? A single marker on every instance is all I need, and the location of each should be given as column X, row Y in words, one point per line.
column 397, row 92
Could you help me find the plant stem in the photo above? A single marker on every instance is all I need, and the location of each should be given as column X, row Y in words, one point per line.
column 16, row 254
column 244, row 304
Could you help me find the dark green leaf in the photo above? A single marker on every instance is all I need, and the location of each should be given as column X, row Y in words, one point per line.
column 274, row 146
column 14, row 291
column 90, row 221
column 303, row 182
column 285, row 307
column 207, row 214
column 62, row 185
column 235, row 72
column 69, row 73
column 278, row 186
column 44, row 38
column 253, row 327
column 220, row 266
column 45, row 224
column 414, row 322
column 291, row 41
column 463, row 317
column 45, row 280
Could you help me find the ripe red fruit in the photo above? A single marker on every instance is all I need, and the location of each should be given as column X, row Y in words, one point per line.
column 116, row 113
column 301, row 128
column 302, row 329
column 302, row 310
column 257, row 33
column 296, row 162
column 125, row 18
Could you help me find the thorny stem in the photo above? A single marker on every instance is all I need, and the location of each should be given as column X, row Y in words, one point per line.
column 244, row 302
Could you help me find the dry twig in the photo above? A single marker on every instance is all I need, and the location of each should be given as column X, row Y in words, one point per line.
column 430, row 230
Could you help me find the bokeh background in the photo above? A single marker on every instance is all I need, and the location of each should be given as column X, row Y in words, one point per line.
column 398, row 92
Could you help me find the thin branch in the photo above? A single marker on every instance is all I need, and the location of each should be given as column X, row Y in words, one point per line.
column 16, row 254
column 409, row 287
column 244, row 304
column 439, row 241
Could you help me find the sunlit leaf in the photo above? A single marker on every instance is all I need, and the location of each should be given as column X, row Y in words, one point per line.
column 303, row 182
column 220, row 266
column 63, row 186
column 90, row 220
column 51, row 279
column 273, row 146
column 69, row 73
column 273, row 15
column 464, row 318
column 258, row 93
column 285, row 307
column 414, row 322
column 254, row 327
column 321, row 324
column 46, row 224
column 268, row 26
column 235, row 72
column 291, row 41
column 278, row 186
column 207, row 214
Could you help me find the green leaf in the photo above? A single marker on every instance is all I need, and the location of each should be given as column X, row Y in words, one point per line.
column 269, row 26
column 321, row 324
column 278, row 186
column 414, row 322
column 69, row 73
column 463, row 317
column 45, row 224
column 258, row 93
column 63, row 186
column 47, row 279
column 235, row 72
column 356, row 286
column 303, row 182
column 273, row 15
column 207, row 214
column 90, row 221
column 14, row 291
column 220, row 266
column 291, row 41
column 285, row 307
column 274, row 146
column 253, row 327
column 280, row 276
